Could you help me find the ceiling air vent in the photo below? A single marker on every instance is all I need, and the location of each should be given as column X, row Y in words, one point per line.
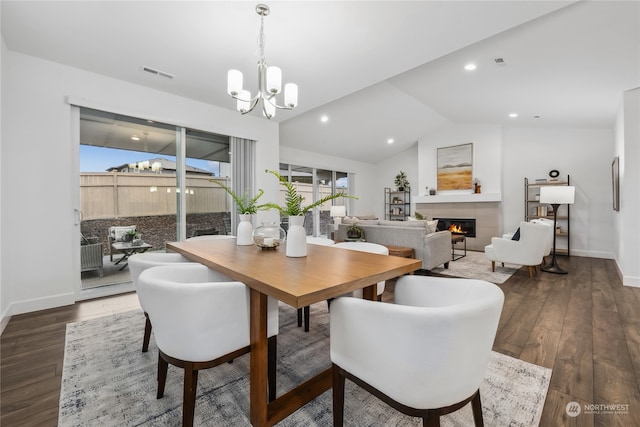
column 499, row 60
column 157, row 72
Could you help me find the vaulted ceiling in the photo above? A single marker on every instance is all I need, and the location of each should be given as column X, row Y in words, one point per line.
column 376, row 69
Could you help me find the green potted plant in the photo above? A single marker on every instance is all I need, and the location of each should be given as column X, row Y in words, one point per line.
column 130, row 235
column 294, row 209
column 246, row 206
column 401, row 181
column 355, row 232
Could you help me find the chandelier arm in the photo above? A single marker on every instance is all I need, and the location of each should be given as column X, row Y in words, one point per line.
column 271, row 100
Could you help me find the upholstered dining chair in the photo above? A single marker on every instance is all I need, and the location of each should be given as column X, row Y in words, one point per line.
column 140, row 262
column 434, row 342
column 529, row 250
column 305, row 311
column 201, row 320
column 366, row 247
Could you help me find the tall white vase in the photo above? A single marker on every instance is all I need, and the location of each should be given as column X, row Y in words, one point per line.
column 296, row 237
column 244, row 236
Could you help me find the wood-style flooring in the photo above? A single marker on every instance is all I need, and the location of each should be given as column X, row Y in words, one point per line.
column 585, row 326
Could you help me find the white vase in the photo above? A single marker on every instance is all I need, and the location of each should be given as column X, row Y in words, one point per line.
column 296, row 237
column 244, row 236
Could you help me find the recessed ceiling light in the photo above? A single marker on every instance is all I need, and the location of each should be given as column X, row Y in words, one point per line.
column 513, row 115
column 390, row 141
column 135, row 138
column 470, row 66
column 324, row 119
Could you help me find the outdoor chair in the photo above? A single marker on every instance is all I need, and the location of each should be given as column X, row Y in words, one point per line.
column 91, row 255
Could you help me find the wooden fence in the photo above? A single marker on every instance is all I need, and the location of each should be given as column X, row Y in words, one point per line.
column 123, row 194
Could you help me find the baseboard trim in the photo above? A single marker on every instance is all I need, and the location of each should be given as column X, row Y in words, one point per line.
column 37, row 304
column 5, row 320
column 631, row 281
column 592, row 254
column 105, row 291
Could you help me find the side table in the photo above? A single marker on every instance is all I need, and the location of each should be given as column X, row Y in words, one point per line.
column 457, row 238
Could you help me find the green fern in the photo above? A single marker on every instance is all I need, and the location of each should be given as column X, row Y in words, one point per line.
column 293, row 200
column 245, row 204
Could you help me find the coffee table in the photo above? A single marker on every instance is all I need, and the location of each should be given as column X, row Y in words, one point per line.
column 128, row 249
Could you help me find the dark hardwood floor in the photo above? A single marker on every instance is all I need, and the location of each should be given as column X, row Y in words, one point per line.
column 584, row 325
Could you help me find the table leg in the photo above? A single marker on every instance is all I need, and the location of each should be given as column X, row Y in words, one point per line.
column 258, row 359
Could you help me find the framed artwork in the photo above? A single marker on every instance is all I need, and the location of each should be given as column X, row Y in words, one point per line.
column 615, row 182
column 455, row 167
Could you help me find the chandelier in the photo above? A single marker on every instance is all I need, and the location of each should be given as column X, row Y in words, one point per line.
column 269, row 82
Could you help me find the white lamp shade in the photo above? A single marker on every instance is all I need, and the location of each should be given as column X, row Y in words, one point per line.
column 234, row 82
column 244, row 101
column 560, row 194
column 338, row 211
column 274, row 80
column 291, row 95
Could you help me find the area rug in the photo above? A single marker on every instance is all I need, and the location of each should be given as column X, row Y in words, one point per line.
column 108, row 381
column 476, row 266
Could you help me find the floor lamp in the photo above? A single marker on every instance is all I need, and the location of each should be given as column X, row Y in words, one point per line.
column 556, row 196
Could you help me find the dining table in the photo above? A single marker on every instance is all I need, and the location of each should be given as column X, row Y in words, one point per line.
column 325, row 273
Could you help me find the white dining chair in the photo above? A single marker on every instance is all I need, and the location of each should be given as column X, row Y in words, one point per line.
column 429, row 352
column 140, row 262
column 201, row 320
column 373, row 248
column 305, row 311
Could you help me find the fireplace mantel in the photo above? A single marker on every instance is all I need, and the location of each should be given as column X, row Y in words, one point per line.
column 459, row 198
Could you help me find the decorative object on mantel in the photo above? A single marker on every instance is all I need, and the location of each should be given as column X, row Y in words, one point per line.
column 476, row 186
column 269, row 82
column 432, row 191
column 297, row 236
column 401, row 181
column 246, row 206
column 554, row 173
column 455, row 167
column 269, row 236
column 556, row 196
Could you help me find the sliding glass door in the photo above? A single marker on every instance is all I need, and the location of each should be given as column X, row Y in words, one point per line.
column 154, row 176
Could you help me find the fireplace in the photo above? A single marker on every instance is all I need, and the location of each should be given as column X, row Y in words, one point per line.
column 465, row 227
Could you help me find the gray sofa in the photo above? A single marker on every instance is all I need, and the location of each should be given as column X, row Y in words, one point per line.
column 433, row 247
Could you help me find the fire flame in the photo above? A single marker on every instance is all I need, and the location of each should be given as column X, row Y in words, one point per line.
column 455, row 228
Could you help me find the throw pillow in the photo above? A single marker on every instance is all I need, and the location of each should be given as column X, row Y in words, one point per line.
column 516, row 235
column 432, row 226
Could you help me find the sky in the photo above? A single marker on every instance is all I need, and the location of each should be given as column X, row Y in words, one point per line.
column 99, row 159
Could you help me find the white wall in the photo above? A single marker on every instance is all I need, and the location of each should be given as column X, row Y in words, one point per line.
column 40, row 254
column 585, row 155
column 4, row 300
column 487, row 154
column 627, row 147
column 406, row 161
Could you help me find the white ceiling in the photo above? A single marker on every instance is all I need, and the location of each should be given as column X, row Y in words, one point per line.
column 377, row 69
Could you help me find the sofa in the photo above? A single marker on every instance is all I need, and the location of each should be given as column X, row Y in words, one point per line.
column 432, row 247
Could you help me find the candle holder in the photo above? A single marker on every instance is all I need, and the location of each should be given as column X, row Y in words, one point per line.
column 269, row 236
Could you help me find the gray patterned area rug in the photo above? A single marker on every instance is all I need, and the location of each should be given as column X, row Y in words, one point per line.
column 108, row 381
column 476, row 266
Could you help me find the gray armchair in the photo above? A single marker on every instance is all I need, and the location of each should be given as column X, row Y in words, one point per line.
column 91, row 255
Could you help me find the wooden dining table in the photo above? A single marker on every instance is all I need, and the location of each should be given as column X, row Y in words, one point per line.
column 324, row 273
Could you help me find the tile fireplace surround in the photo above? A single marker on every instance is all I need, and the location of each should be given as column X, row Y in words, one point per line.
column 486, row 214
